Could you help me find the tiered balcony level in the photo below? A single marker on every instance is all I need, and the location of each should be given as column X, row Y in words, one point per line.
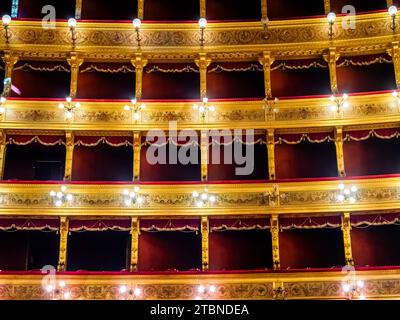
column 278, row 230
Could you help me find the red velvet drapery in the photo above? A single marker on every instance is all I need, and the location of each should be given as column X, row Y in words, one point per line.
column 257, row 155
column 33, row 224
column 363, row 152
column 159, row 225
column 300, row 156
column 170, row 81
column 34, row 157
column 233, row 10
column 310, row 222
column 41, row 79
column 235, row 80
column 110, row 80
column 172, row 10
column 359, row 5
column 109, row 10
column 360, row 74
column 80, row 225
column 239, row 224
column 300, row 78
column 33, row 9
column 103, row 159
column 294, row 9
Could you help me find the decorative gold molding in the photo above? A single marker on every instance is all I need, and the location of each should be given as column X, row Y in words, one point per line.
column 327, row 6
column 346, row 229
column 3, row 150
column 69, row 155
column 203, row 8
column 266, row 61
column 264, row 9
column 78, row 9
column 10, row 59
column 389, row 3
column 331, row 57
column 75, row 62
column 205, row 232
column 134, row 243
column 139, row 63
column 62, row 257
column 271, row 153
column 276, row 261
column 140, row 9
column 204, row 149
column 203, row 62
column 137, row 145
column 339, row 151
column 394, row 52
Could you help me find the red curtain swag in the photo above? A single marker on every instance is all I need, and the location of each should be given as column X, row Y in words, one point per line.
column 34, row 224
column 239, row 224
column 91, row 141
column 362, row 135
column 77, row 225
column 364, row 221
column 158, row 225
column 310, row 222
column 23, row 140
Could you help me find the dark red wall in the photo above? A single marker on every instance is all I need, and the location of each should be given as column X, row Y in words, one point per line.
column 311, row 248
column 169, row 250
column 109, row 10
column 303, row 82
column 360, row 5
column 41, row 84
column 293, row 8
column 376, row 246
column 28, row 250
column 171, row 10
column 372, row 156
column 98, row 250
column 21, row 161
column 305, row 160
column 5, row 7
column 102, row 85
column 102, row 163
column 378, row 76
column 233, row 10
column 162, row 85
column 65, row 9
column 240, row 250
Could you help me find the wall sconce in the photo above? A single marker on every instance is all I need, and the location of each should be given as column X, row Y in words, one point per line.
column 331, row 19
column 202, row 25
column 392, row 10
column 6, row 19
column 203, row 199
column 136, row 108
column 137, row 23
column 72, row 27
column 340, row 103
column 347, row 194
column 269, row 107
column 132, row 197
column 265, row 22
column 204, row 109
column 61, row 197
column 69, row 107
column 205, row 291
column 353, row 289
column 129, row 293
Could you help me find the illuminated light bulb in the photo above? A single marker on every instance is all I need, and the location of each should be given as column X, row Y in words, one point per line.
column 202, row 23
column 59, row 195
column 126, row 192
column 63, row 188
column 49, row 288
column 136, row 189
column 353, row 189
column 72, row 22
column 205, row 100
column 204, row 196
column 201, row 109
column 346, row 191
column 2, row 109
column 136, row 116
column 212, row 108
column 68, row 114
column 137, row 292
column 53, row 193
column 352, row 200
column 61, row 284
column 346, row 105
column 61, row 106
column 3, row 99
column 142, row 106
column 212, row 289
column 6, row 20
column 341, row 186
column 392, row 10
column 195, row 194
column 201, row 289
column 345, row 96
column 128, row 202
column 195, row 107
column 132, row 194
column 140, row 200
column 332, row 108
column 134, row 101
column 122, row 289
column 69, row 197
column 360, row 284
column 340, row 197
column 212, row 199
column 58, row 203
column 68, row 99
column 200, row 204
column 395, row 94
column 346, row 287
column 67, row 295
column 331, row 17
column 332, row 98
column 137, row 23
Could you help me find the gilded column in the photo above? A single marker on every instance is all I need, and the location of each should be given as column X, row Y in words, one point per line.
column 203, row 62
column 75, row 62
column 78, row 9
column 203, row 9
column 3, row 149
column 10, row 59
column 134, row 243
column 339, row 151
column 389, row 3
column 266, row 61
column 331, row 57
column 204, row 148
column 346, row 229
column 327, row 6
column 205, row 230
column 271, row 153
column 62, row 256
column 136, row 155
column 264, row 10
column 276, row 261
column 69, row 155
column 394, row 52
column 140, row 9
column 139, row 63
